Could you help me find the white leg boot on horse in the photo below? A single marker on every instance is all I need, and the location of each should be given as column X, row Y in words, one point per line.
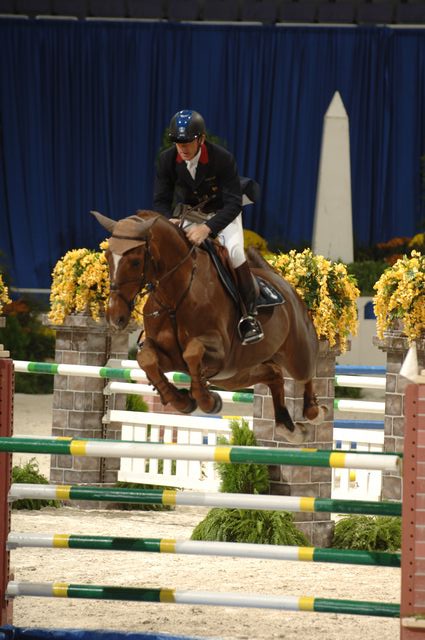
column 249, row 327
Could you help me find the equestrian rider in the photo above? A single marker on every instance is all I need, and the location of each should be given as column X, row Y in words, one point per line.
column 198, row 179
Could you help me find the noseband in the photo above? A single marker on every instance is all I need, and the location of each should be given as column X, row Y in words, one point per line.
column 115, row 286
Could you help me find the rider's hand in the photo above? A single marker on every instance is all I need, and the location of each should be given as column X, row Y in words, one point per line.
column 197, row 233
column 175, row 220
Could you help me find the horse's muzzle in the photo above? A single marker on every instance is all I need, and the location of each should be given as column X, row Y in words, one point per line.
column 118, row 318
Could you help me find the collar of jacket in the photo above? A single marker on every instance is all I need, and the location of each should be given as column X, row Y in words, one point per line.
column 203, row 158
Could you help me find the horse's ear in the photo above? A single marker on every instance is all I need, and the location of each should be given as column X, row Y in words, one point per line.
column 108, row 223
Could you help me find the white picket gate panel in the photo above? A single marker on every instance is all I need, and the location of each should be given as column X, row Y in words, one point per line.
column 183, row 474
column 356, row 484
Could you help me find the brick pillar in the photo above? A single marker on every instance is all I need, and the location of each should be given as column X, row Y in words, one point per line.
column 78, row 401
column 396, row 346
column 413, row 538
column 302, row 481
column 3, row 352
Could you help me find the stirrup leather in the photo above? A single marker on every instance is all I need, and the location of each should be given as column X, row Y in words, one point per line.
column 250, row 330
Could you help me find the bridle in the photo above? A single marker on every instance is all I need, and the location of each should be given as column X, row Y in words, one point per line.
column 151, row 287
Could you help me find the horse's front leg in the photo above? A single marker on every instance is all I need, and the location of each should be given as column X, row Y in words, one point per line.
column 197, row 352
column 149, row 360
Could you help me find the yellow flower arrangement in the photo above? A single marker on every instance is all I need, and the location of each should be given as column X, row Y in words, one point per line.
column 417, row 241
column 80, row 283
column 4, row 294
column 327, row 289
column 400, row 294
column 252, row 239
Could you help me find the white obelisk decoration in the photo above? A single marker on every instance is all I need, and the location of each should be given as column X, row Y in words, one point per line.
column 410, row 367
column 333, row 227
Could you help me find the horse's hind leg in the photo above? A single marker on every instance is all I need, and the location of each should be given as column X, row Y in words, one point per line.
column 270, row 373
column 312, row 411
column 293, row 432
column 169, row 394
column 194, row 355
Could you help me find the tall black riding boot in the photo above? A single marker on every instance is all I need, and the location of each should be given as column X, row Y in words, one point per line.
column 249, row 328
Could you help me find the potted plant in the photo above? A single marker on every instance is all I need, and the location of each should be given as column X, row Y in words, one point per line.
column 80, row 284
column 4, row 296
column 399, row 301
column 253, row 239
column 327, row 289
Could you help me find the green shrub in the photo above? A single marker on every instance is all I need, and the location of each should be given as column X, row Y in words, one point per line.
column 348, row 392
column 36, row 383
column 135, row 403
column 247, row 525
column 132, row 353
column 29, row 473
column 367, row 273
column 27, row 339
column 369, row 533
column 243, row 478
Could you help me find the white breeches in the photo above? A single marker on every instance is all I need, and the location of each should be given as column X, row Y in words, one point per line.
column 232, row 238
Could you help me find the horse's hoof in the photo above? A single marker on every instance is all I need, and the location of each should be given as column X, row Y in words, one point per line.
column 322, row 412
column 297, row 436
column 191, row 404
column 218, row 403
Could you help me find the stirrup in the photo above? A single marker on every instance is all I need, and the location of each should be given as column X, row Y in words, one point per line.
column 250, row 330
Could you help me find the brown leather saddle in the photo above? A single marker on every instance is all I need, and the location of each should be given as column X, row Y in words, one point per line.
column 267, row 295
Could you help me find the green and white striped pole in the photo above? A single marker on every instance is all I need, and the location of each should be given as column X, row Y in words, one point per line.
column 52, row 368
column 234, row 397
column 117, row 373
column 203, row 548
column 359, row 406
column 222, row 453
column 226, row 599
column 172, row 497
column 360, row 382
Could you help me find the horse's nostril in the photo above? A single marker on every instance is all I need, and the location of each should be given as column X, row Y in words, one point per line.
column 122, row 322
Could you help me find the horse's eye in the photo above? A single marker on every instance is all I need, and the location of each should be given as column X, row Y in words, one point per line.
column 135, row 263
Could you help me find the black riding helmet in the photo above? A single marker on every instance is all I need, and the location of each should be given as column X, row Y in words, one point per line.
column 186, row 126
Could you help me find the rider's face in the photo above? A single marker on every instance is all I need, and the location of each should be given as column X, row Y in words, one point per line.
column 188, row 150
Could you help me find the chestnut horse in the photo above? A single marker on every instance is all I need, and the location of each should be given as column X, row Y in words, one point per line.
column 190, row 322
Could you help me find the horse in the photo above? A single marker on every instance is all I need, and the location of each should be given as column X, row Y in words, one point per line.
column 190, row 322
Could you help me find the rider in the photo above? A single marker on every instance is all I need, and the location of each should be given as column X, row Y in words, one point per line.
column 198, row 179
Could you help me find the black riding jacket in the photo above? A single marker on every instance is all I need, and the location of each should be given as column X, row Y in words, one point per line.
column 216, row 181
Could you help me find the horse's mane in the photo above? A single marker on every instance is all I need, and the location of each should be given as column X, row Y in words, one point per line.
column 147, row 213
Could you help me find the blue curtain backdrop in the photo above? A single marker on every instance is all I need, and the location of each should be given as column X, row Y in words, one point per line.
column 83, row 106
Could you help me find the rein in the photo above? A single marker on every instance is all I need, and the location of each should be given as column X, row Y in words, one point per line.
column 152, row 287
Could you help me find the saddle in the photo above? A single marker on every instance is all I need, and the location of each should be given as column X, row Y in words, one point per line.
column 267, row 295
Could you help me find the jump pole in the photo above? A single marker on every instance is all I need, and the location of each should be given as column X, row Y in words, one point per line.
column 202, row 548
column 173, row 497
column 6, row 425
column 225, row 454
column 226, row 599
column 136, row 374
